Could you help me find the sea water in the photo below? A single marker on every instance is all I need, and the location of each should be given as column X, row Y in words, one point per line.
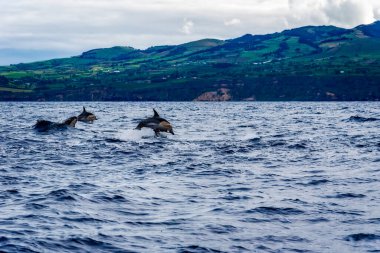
column 235, row 177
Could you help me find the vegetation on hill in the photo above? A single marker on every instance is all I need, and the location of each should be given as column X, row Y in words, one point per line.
column 310, row 63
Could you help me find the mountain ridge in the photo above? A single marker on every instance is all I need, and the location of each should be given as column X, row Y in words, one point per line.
column 305, row 63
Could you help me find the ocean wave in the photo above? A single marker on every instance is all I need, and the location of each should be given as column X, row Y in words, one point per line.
column 275, row 210
column 221, row 229
column 362, row 119
column 11, row 247
column 267, row 180
column 276, row 238
column 362, row 237
column 109, row 198
column 315, row 182
column 347, row 195
column 198, row 249
column 62, row 195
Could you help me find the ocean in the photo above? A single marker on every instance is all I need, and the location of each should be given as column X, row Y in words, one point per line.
column 235, row 177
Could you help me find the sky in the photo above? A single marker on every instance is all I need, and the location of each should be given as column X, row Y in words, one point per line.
column 32, row 30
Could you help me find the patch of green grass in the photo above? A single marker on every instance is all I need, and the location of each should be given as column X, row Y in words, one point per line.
column 16, row 74
column 15, row 90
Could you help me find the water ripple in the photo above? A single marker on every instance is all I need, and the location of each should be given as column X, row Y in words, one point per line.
column 236, row 177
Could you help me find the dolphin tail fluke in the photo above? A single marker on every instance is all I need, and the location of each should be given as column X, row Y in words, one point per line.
column 84, row 109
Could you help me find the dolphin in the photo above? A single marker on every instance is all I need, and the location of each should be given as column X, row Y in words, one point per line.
column 156, row 123
column 86, row 116
column 45, row 125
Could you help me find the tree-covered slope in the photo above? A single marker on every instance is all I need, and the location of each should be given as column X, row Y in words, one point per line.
column 307, row 63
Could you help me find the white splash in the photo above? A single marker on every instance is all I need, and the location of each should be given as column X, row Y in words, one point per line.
column 135, row 135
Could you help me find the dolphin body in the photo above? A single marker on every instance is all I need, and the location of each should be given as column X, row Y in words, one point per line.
column 86, row 116
column 156, row 123
column 45, row 125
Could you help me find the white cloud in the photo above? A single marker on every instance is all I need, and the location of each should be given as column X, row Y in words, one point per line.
column 349, row 13
column 377, row 14
column 232, row 22
column 187, row 27
column 343, row 13
column 72, row 26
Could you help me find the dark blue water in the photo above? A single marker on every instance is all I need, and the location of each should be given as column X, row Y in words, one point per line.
column 236, row 177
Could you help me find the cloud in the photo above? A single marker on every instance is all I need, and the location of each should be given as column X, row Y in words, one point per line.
column 343, row 13
column 377, row 14
column 72, row 26
column 349, row 13
column 187, row 27
column 232, row 22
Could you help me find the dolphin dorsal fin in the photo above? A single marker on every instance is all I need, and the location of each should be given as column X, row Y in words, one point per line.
column 84, row 109
column 155, row 114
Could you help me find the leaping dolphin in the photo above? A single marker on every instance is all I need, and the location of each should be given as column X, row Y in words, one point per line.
column 45, row 125
column 86, row 116
column 156, row 123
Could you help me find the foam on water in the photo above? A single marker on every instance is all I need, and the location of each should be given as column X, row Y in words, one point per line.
column 134, row 135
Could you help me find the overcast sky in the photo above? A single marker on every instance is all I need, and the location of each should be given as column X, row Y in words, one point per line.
column 41, row 29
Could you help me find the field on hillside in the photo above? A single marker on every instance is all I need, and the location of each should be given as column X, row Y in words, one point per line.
column 308, row 63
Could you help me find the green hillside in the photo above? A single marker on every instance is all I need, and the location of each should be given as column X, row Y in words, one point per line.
column 309, row 63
